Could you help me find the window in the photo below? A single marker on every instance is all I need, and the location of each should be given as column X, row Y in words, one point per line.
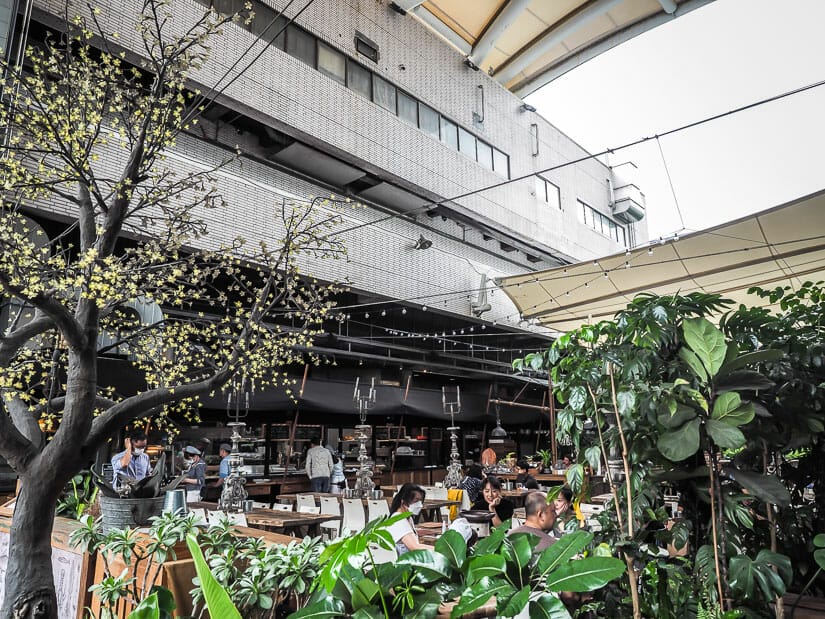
column 366, row 47
column 501, row 163
column 383, row 93
column 599, row 222
column 467, row 143
column 300, row 44
column 359, row 79
column 267, row 24
column 485, row 155
column 449, row 133
column 407, row 108
column 428, row 119
column 332, row 63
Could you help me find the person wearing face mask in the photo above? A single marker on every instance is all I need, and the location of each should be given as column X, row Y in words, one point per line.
column 133, row 460
column 409, row 499
column 196, row 474
column 566, row 519
column 490, row 499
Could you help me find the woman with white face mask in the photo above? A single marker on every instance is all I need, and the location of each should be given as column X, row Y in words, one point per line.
column 409, row 499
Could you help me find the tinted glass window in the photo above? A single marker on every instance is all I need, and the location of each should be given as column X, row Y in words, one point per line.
column 428, row 119
column 359, row 79
column 467, row 143
column 300, row 44
column 485, row 155
column 408, row 108
column 263, row 26
column 383, row 93
column 449, row 133
column 501, row 163
column 332, row 63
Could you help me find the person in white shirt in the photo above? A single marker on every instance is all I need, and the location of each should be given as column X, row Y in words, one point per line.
column 409, row 499
column 318, row 466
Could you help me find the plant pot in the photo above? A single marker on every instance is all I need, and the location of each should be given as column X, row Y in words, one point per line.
column 128, row 513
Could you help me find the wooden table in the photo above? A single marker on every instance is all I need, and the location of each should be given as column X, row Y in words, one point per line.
column 516, row 496
column 430, row 505
column 280, row 521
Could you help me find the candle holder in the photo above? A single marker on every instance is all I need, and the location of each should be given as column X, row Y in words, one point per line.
column 452, row 408
column 364, row 485
column 233, row 493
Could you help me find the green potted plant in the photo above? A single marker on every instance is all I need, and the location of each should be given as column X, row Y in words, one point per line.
column 546, row 459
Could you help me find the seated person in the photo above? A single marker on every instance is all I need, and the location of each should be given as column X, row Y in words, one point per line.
column 565, row 517
column 541, row 517
column 490, row 499
column 409, row 499
column 523, row 477
column 471, row 484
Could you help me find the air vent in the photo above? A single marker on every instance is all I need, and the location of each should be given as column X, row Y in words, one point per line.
column 366, row 47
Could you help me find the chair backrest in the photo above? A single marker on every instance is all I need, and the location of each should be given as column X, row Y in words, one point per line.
column 439, row 494
column 330, row 505
column 259, row 505
column 282, row 507
column 306, row 509
column 377, row 508
column 305, row 500
column 382, row 555
column 353, row 519
column 465, row 501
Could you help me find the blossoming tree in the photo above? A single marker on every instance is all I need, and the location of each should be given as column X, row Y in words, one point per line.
column 86, row 137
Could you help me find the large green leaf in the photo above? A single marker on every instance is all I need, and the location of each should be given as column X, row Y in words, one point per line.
column 749, row 359
column 767, row 488
column 593, row 455
column 680, row 443
column 680, row 415
column 159, row 604
column 747, row 577
column 490, row 544
column 478, row 594
column 585, row 574
column 515, row 603
column 692, row 361
column 578, row 397
column 428, row 566
column 548, row 606
column 626, row 400
column 327, row 608
column 452, row 546
column 366, row 591
column 217, row 598
column 724, row 435
column 819, row 557
column 575, row 476
column 563, row 550
column 707, row 342
column 484, row 566
column 743, row 380
column 518, row 550
column 425, row 605
column 729, row 408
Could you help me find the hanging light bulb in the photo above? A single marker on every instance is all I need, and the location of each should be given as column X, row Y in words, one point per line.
column 498, row 431
column 383, row 312
column 403, row 310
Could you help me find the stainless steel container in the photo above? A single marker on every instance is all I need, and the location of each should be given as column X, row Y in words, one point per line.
column 175, row 502
column 248, row 505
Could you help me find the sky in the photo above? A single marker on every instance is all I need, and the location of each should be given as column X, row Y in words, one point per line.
column 719, row 57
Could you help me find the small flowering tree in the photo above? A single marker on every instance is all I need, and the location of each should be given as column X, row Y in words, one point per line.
column 87, row 136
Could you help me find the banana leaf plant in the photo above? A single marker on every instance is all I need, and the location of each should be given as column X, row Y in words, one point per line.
column 498, row 569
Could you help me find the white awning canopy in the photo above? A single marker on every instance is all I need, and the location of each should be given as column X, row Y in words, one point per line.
column 783, row 246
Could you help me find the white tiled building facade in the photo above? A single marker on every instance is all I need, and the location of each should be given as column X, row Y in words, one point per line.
column 333, row 137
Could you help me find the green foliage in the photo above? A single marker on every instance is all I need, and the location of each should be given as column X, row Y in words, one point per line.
column 78, row 496
column 419, row 581
column 217, row 599
column 159, row 604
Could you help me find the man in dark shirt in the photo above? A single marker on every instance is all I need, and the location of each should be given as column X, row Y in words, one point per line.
column 540, row 519
column 523, row 476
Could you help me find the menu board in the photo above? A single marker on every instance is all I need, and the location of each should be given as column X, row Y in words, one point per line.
column 66, row 567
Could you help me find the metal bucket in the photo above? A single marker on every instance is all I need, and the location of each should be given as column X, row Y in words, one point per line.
column 128, row 513
column 175, row 502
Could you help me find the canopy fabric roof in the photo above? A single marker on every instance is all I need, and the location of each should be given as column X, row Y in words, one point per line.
column 782, row 246
column 525, row 44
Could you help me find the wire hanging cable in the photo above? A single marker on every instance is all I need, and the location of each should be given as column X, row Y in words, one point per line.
column 670, row 182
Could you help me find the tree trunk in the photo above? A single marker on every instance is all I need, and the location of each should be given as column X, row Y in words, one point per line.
column 30, row 590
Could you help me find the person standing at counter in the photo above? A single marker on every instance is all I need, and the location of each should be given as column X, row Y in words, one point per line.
column 223, row 470
column 490, row 499
column 195, row 475
column 132, row 461
column 319, row 466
